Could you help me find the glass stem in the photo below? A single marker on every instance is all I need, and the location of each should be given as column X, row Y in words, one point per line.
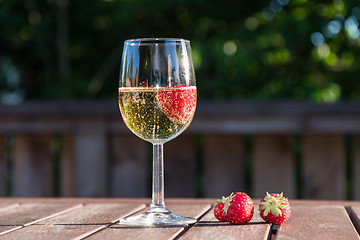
column 158, row 178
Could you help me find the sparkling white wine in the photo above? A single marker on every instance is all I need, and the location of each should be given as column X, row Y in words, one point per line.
column 160, row 114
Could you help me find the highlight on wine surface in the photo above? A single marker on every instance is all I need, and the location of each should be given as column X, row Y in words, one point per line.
column 157, row 100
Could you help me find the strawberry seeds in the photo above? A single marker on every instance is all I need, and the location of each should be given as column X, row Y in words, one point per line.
column 177, row 103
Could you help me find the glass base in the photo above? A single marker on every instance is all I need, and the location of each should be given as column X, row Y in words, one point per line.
column 157, row 218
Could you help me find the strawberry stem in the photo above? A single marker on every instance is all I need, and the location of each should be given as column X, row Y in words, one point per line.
column 273, row 204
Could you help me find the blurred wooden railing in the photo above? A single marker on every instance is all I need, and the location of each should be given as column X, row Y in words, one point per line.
column 84, row 149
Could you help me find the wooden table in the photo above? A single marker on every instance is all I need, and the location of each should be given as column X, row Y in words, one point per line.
column 97, row 219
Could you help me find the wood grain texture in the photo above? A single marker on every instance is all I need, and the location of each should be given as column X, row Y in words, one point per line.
column 133, row 233
column 34, row 166
column 128, row 167
column 79, row 218
column 274, row 169
column 318, row 222
column 224, row 165
column 180, row 167
column 17, row 215
column 4, row 206
column 74, row 223
column 209, row 228
column 323, row 167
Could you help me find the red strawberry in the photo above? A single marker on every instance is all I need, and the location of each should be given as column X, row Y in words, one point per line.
column 239, row 208
column 274, row 208
column 219, row 209
column 178, row 103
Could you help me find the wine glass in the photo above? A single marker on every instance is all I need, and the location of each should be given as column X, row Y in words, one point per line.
column 157, row 100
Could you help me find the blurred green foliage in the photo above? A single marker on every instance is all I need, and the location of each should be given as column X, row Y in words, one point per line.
column 277, row 49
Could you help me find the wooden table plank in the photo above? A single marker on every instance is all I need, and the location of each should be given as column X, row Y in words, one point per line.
column 318, row 222
column 74, row 223
column 4, row 206
column 136, row 233
column 16, row 216
column 210, row 228
column 45, row 218
column 355, row 217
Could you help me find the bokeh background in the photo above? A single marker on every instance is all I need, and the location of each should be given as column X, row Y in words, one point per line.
column 277, row 49
column 294, row 62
